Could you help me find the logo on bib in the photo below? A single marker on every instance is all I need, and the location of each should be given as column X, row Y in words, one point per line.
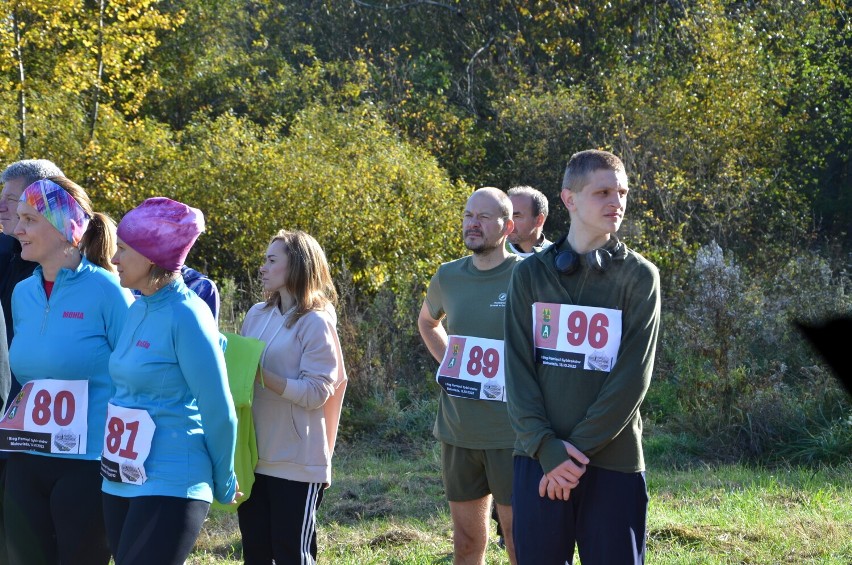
column 599, row 362
column 130, row 472
column 452, row 362
column 492, row 390
column 64, row 440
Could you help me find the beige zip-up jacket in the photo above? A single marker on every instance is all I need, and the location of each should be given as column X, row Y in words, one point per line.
column 296, row 430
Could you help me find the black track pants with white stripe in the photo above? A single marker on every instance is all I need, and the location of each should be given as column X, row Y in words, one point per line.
column 278, row 522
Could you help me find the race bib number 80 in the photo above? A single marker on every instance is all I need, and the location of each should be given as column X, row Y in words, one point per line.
column 48, row 416
column 473, row 368
column 576, row 337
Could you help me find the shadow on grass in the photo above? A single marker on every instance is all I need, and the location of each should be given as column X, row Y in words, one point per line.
column 232, row 551
column 688, row 537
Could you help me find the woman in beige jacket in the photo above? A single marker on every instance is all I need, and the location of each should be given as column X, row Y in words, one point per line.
column 297, row 400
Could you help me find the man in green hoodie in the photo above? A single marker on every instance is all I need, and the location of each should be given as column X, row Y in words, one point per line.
column 582, row 320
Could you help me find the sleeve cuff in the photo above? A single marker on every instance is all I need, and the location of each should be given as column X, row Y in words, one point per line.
column 229, row 491
column 552, row 454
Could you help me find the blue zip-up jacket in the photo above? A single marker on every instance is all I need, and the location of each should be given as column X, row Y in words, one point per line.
column 70, row 336
column 169, row 362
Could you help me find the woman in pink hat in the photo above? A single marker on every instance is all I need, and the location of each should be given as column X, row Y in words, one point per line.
column 67, row 318
column 171, row 427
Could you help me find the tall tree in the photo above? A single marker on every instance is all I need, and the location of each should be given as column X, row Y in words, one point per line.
column 88, row 52
column 27, row 39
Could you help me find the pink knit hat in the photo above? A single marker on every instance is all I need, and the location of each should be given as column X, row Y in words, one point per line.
column 162, row 230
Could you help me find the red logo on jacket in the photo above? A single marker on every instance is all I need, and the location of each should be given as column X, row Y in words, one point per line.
column 143, row 343
column 75, row 315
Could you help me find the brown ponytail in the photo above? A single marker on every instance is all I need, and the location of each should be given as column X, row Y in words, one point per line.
column 98, row 243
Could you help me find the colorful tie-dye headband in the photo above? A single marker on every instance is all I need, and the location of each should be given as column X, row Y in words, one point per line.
column 59, row 207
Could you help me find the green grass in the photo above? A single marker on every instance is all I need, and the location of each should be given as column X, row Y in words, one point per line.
column 736, row 514
column 386, row 506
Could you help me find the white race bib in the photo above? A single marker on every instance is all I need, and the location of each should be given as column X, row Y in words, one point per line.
column 49, row 416
column 473, row 368
column 576, row 337
column 127, row 444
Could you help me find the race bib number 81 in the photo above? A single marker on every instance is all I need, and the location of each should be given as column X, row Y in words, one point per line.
column 576, row 337
column 48, row 416
column 473, row 368
column 127, row 444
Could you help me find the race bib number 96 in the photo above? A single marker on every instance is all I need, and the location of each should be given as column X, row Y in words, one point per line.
column 48, row 416
column 473, row 368
column 576, row 337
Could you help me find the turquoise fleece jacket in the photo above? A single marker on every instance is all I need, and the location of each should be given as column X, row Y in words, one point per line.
column 596, row 411
column 169, row 362
column 70, row 336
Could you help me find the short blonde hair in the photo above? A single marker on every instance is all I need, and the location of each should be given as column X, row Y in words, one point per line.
column 586, row 162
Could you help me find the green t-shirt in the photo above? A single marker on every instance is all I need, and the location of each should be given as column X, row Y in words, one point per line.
column 474, row 302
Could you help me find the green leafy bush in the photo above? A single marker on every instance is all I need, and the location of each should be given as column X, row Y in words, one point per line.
column 735, row 373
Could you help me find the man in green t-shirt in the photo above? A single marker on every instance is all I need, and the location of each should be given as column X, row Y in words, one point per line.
column 472, row 422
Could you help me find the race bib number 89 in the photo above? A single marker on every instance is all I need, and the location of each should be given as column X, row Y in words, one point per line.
column 576, row 337
column 473, row 368
column 48, row 416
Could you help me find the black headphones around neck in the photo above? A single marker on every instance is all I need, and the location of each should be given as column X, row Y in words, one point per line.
column 567, row 261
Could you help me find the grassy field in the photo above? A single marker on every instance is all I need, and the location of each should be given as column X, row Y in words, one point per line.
column 387, row 507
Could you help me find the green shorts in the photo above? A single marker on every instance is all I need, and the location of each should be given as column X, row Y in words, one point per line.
column 470, row 474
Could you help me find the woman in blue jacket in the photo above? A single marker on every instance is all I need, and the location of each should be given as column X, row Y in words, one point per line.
column 67, row 317
column 171, row 427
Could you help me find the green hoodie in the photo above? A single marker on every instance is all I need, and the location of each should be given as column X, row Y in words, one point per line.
column 596, row 411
